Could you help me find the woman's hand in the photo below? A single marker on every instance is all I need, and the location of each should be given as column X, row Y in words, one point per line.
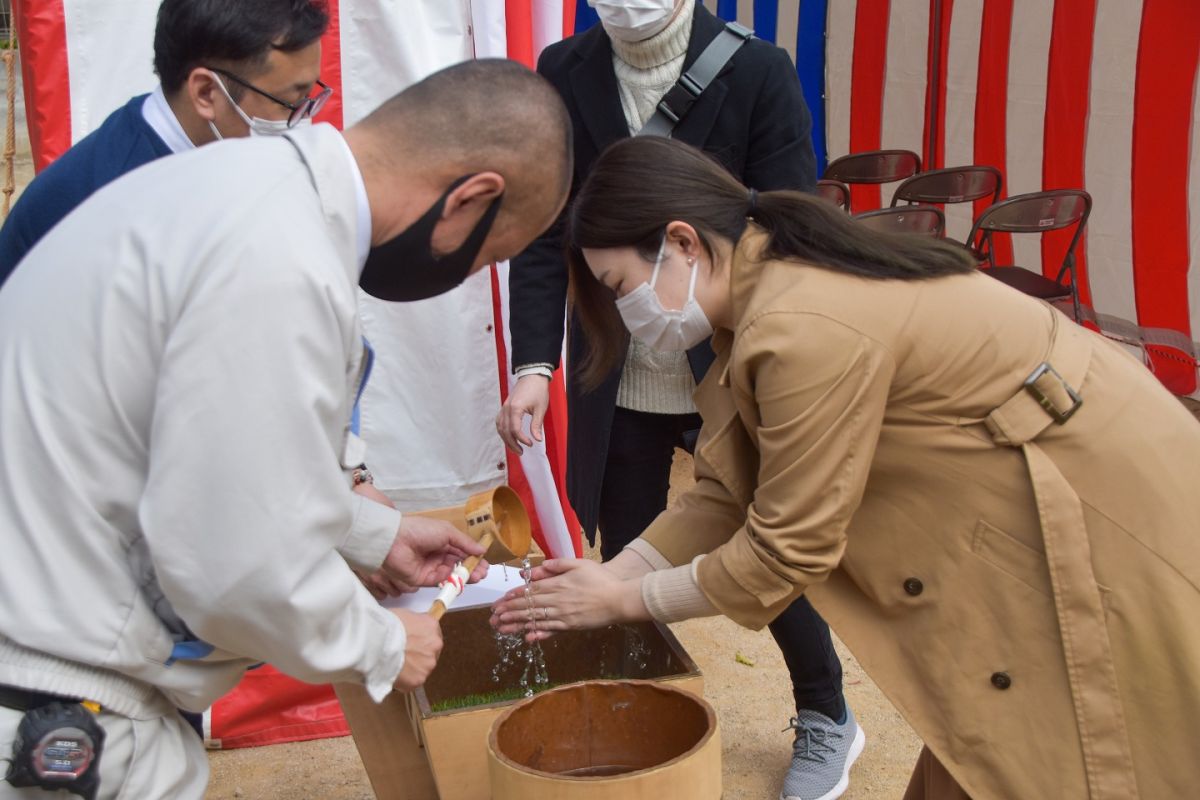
column 569, row 594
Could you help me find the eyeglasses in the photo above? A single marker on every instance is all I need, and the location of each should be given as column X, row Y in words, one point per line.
column 306, row 108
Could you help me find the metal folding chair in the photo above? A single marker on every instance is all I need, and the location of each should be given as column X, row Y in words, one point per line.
column 951, row 185
column 1036, row 213
column 875, row 166
column 924, row 220
column 835, row 192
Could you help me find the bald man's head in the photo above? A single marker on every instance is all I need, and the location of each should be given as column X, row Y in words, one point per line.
column 491, row 118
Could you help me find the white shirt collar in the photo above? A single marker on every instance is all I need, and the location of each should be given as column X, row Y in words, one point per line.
column 363, row 227
column 162, row 119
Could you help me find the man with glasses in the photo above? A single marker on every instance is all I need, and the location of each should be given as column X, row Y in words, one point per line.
column 298, row 112
column 228, row 68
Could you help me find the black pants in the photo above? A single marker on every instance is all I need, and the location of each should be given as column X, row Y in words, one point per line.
column 637, row 476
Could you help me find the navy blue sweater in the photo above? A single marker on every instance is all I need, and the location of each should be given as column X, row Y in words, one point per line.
column 122, row 144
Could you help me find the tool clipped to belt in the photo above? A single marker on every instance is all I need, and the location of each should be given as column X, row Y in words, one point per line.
column 58, row 743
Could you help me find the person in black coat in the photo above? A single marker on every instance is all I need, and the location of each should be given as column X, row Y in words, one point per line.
column 754, row 120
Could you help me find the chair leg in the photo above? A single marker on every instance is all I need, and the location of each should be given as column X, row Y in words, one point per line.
column 1069, row 269
column 1075, row 293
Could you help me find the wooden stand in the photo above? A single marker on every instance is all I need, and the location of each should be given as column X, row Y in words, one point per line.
column 388, row 744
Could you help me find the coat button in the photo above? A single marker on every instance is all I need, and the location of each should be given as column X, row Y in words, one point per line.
column 914, row 586
column 1001, row 680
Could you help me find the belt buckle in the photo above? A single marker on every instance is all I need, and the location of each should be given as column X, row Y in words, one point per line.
column 1045, row 402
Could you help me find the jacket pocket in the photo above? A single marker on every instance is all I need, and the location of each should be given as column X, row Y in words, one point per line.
column 1012, row 557
column 1022, row 562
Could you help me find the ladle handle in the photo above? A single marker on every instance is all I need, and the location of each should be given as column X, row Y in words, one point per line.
column 452, row 588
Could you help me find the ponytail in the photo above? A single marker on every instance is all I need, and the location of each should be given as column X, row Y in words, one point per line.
column 805, row 228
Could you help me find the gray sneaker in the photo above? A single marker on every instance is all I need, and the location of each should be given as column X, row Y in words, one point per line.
column 821, row 756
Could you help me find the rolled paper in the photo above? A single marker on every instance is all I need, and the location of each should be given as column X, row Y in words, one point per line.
column 452, row 587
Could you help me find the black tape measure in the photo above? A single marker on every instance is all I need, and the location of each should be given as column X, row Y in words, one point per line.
column 58, row 746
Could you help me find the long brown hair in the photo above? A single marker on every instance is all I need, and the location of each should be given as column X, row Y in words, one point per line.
column 640, row 185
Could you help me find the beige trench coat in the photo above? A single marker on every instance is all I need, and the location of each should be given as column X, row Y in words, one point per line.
column 870, row 443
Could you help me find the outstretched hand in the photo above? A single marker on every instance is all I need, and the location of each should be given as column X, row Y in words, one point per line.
column 569, row 594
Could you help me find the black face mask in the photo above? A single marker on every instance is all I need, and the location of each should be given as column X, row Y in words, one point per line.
column 404, row 268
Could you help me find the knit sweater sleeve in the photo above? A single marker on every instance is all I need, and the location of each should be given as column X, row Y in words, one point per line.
column 673, row 595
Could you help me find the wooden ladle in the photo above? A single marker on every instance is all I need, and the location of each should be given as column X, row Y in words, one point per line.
column 498, row 521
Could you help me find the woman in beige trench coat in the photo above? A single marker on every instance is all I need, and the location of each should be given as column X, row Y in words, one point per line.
column 995, row 509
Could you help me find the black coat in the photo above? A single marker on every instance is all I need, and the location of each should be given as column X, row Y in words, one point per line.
column 752, row 118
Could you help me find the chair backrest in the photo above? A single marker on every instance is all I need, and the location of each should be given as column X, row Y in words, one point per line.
column 1036, row 212
column 875, row 166
column 926, row 220
column 834, row 192
column 951, row 185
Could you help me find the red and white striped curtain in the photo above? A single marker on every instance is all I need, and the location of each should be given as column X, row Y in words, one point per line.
column 1091, row 94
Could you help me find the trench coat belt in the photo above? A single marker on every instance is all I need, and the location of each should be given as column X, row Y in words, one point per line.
column 1048, row 398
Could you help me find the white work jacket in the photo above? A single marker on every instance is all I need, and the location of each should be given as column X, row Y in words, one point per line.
column 178, row 363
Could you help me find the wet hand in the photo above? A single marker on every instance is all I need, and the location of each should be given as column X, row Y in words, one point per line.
column 421, row 650
column 425, row 552
column 569, row 594
column 529, row 397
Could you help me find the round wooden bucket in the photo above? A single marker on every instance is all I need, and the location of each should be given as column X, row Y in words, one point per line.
column 607, row 740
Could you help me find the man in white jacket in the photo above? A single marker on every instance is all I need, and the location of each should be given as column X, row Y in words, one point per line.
column 179, row 360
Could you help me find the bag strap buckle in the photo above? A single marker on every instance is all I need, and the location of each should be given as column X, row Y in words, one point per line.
column 677, row 102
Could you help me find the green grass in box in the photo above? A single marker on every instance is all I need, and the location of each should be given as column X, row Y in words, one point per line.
column 498, row 696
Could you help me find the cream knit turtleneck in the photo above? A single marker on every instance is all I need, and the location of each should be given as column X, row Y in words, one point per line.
column 653, row 381
column 647, row 69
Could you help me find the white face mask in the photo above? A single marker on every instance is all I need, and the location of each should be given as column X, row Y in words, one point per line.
column 657, row 327
column 633, row 20
column 258, row 127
